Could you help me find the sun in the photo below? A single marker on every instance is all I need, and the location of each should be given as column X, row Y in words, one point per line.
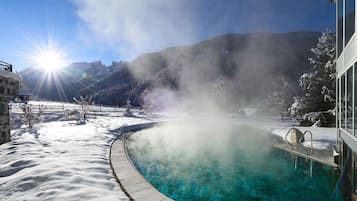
column 50, row 59
column 48, row 56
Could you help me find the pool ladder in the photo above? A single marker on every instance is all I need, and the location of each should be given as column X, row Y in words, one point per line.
column 298, row 141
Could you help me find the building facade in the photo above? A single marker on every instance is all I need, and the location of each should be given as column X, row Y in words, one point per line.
column 346, row 96
column 9, row 86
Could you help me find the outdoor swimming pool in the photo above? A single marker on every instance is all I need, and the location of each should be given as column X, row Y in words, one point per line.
column 241, row 166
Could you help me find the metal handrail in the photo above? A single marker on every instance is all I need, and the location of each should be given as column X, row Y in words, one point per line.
column 308, row 132
column 286, row 138
column 297, row 145
column 299, row 140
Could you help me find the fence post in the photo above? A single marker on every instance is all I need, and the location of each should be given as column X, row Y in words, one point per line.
column 4, row 122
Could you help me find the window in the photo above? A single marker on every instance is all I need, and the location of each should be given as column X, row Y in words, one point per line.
column 349, row 108
column 349, row 19
column 355, row 171
column 343, row 105
column 339, row 27
column 355, row 98
column 2, row 108
column 347, row 184
column 338, row 103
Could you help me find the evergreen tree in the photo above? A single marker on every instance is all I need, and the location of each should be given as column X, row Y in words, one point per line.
column 279, row 98
column 319, row 84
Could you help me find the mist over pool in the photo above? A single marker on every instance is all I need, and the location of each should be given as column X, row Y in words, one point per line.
column 239, row 164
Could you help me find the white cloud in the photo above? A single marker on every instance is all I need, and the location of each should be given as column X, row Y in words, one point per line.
column 137, row 26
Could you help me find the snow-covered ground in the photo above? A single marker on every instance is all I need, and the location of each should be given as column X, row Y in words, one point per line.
column 322, row 138
column 62, row 160
column 66, row 160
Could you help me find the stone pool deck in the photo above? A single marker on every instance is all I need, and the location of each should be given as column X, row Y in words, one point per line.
column 321, row 156
column 130, row 179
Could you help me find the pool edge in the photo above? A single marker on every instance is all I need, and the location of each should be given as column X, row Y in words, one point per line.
column 315, row 159
column 131, row 181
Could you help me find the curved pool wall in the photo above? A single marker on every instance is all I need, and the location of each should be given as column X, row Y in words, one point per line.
column 135, row 186
column 257, row 172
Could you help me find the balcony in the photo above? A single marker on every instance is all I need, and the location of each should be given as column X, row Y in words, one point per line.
column 5, row 66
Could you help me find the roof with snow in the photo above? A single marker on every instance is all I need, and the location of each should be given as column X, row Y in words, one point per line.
column 11, row 75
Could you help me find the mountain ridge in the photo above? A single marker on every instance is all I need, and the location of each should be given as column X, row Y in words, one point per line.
column 244, row 60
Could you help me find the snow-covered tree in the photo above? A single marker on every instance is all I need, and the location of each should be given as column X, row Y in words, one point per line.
column 279, row 98
column 318, row 85
column 29, row 117
column 85, row 102
column 219, row 90
column 127, row 112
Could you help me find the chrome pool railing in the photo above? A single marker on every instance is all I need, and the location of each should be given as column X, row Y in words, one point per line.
column 286, row 138
column 298, row 141
column 308, row 132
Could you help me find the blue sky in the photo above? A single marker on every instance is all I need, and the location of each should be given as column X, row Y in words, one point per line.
column 108, row 30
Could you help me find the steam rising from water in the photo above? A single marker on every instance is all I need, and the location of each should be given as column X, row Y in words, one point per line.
column 135, row 24
column 135, row 27
column 204, row 91
column 186, row 164
column 191, row 139
column 202, row 97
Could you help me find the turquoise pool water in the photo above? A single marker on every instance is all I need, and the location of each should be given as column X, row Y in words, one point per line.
column 244, row 167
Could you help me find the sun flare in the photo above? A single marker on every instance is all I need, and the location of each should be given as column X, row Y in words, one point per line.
column 50, row 60
column 49, row 57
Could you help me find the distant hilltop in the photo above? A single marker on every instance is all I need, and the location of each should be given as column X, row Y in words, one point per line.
column 68, row 81
column 95, row 67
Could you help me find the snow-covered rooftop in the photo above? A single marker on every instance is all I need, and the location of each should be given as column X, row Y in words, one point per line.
column 8, row 74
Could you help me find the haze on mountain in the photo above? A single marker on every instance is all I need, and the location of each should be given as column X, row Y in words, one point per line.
column 246, row 63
